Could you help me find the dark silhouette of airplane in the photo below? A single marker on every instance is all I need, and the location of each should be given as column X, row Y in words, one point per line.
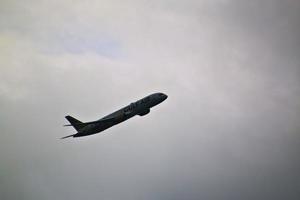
column 140, row 107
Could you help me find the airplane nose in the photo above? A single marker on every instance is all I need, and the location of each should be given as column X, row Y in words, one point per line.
column 165, row 96
column 162, row 96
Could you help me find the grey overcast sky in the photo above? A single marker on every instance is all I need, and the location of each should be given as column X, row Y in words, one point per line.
column 230, row 129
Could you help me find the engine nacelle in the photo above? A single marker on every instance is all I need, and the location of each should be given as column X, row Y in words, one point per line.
column 144, row 112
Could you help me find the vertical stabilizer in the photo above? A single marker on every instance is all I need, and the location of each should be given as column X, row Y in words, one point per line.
column 75, row 122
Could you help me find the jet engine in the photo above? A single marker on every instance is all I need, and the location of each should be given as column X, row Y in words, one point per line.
column 144, row 112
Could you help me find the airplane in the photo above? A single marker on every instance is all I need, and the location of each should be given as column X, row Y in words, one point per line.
column 140, row 107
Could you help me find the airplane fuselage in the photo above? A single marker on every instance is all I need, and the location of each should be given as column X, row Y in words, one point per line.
column 140, row 107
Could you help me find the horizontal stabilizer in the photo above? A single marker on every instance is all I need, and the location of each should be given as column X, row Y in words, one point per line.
column 68, row 136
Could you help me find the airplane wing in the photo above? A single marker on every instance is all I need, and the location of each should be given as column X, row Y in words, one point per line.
column 110, row 119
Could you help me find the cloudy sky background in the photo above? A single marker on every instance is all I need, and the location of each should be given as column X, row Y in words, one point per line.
column 230, row 128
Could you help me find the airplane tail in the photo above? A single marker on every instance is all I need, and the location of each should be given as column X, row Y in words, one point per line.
column 75, row 123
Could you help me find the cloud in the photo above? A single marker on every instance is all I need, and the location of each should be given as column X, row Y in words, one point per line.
column 229, row 129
